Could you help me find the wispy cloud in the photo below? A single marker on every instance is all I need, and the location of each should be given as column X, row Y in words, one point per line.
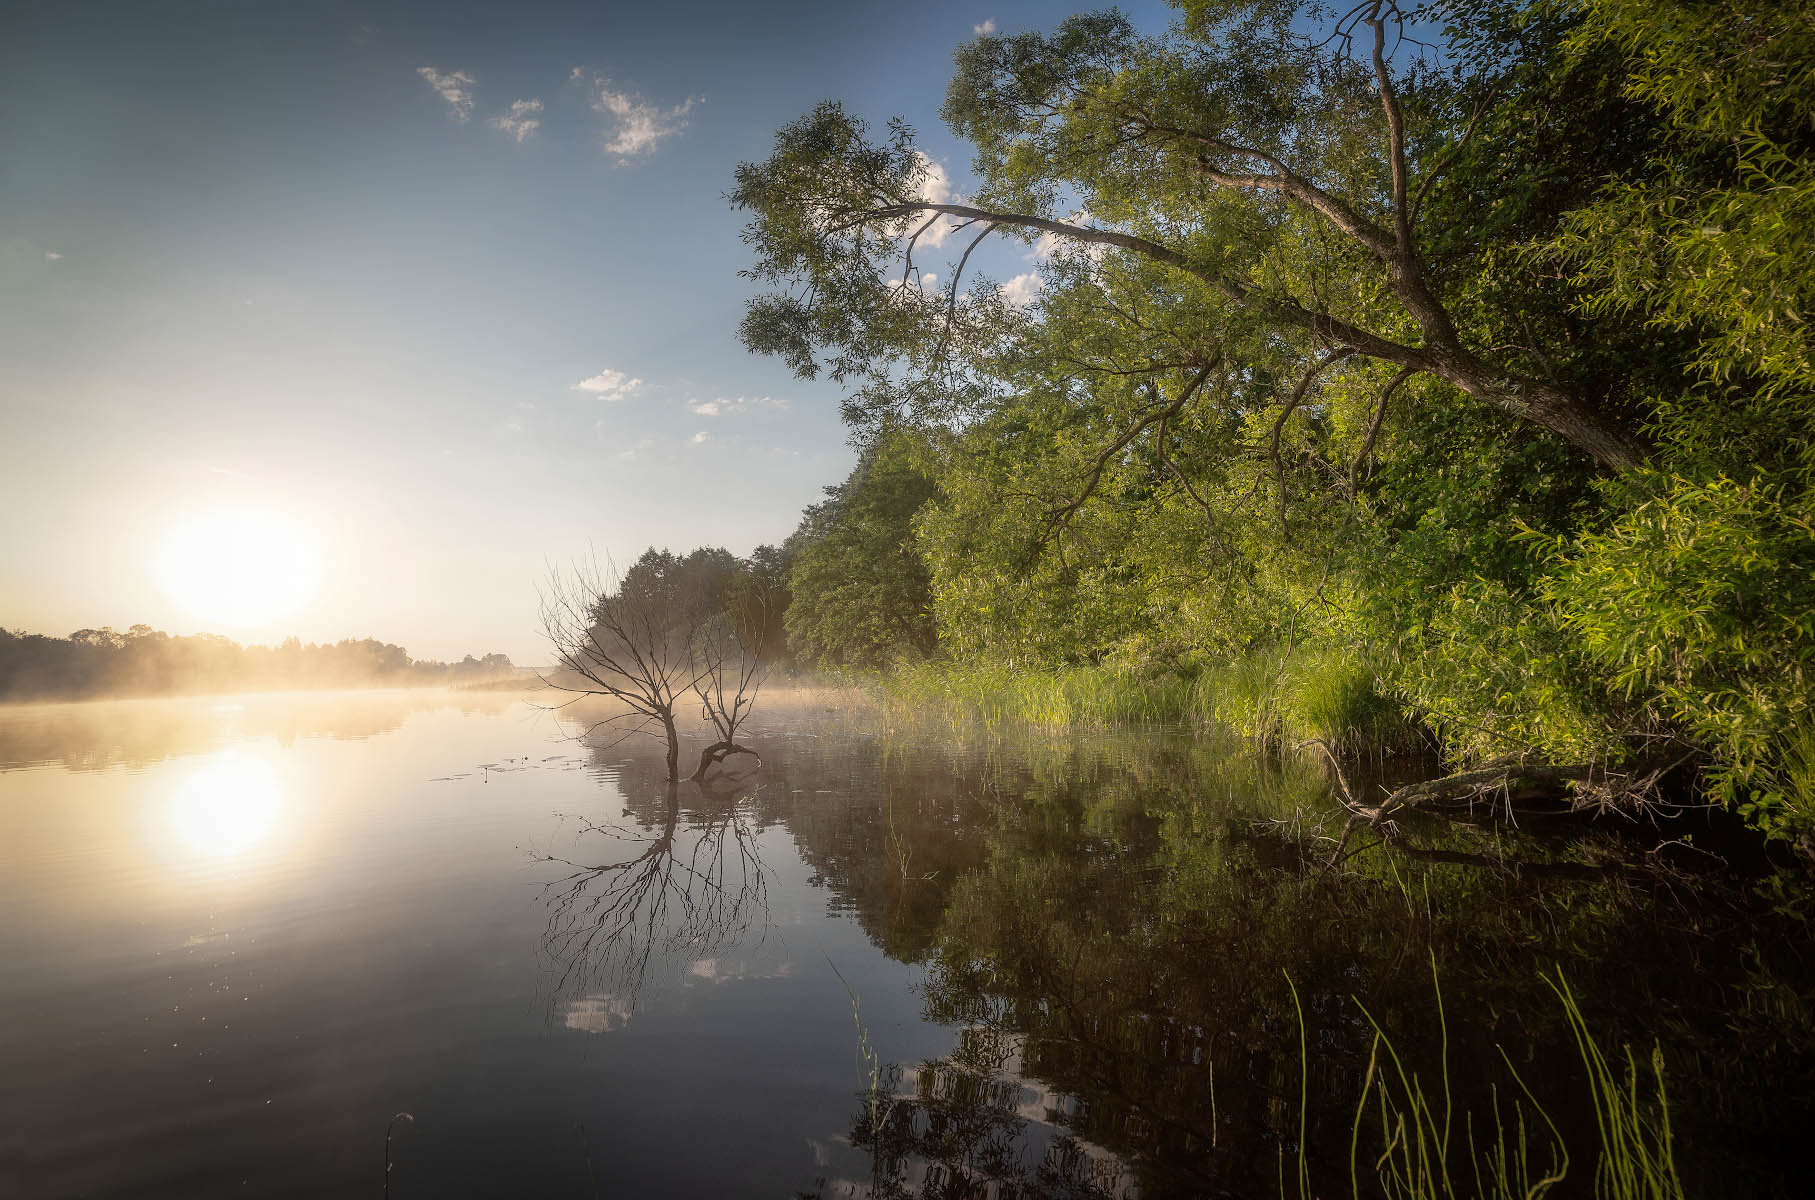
column 455, row 87
column 634, row 126
column 53, row 255
column 724, row 406
column 700, row 438
column 521, row 122
column 988, row 26
column 635, row 449
column 1022, row 290
column 609, row 385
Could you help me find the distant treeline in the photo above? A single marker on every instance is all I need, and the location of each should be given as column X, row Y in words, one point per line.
column 146, row 661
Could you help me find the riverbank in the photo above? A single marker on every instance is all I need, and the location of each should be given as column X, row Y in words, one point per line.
column 1274, row 700
column 1379, row 760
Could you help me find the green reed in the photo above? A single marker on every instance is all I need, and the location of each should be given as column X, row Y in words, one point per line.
column 1428, row 1150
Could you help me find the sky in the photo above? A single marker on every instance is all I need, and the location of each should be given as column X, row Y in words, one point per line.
column 346, row 320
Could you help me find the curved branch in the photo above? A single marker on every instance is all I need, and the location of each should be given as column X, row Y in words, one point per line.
column 1322, row 324
column 1292, row 402
column 1367, row 447
column 1395, row 127
column 1058, row 519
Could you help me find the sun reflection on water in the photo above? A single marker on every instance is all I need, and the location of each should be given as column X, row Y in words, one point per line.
column 227, row 805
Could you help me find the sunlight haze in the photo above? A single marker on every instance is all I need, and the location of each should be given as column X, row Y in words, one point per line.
column 453, row 293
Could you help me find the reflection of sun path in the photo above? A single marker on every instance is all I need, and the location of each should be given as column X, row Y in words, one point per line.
column 227, row 805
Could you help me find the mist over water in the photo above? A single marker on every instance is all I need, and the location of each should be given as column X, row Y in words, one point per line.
column 242, row 933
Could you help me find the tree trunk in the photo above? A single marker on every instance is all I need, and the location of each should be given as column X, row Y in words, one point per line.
column 674, row 745
column 1570, row 417
column 717, row 753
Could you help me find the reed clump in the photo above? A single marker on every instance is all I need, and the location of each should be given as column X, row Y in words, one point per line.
column 1424, row 1149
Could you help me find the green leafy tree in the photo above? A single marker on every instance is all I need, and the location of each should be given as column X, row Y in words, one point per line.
column 1467, row 341
column 859, row 588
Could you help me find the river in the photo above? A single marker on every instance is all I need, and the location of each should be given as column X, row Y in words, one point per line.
column 239, row 935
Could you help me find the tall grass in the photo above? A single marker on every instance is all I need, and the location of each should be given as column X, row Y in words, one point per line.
column 1274, row 699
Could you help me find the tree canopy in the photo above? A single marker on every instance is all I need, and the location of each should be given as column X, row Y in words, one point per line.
column 1468, row 339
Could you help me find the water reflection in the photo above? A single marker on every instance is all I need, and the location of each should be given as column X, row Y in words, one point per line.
column 98, row 735
column 1116, row 940
column 227, row 805
column 1075, row 951
column 598, row 1012
column 682, row 878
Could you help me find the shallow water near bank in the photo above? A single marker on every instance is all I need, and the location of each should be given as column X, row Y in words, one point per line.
column 240, row 934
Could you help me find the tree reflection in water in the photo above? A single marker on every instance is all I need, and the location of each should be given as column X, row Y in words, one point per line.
column 1121, row 931
column 1125, row 963
column 684, row 876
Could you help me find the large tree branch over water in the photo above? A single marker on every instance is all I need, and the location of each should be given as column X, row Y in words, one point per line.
column 1147, row 129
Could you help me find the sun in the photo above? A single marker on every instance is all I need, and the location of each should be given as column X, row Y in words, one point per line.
column 238, row 568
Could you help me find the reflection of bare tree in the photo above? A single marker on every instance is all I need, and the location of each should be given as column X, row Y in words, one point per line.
column 692, row 882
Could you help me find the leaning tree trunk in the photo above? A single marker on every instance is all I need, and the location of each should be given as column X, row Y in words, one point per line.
column 1571, row 417
column 717, row 753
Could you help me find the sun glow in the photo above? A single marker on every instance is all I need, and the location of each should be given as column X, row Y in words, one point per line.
column 238, row 568
column 226, row 806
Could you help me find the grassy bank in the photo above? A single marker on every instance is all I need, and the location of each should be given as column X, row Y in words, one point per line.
column 1272, row 699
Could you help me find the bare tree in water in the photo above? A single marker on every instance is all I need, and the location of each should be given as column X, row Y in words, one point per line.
column 655, row 636
column 732, row 651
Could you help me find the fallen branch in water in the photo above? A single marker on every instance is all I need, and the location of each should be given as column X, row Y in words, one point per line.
column 1502, row 794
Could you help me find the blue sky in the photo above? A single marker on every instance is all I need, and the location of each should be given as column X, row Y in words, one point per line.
column 313, row 261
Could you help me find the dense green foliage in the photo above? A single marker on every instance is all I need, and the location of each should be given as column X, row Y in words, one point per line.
column 860, row 589
column 1479, row 363
column 688, row 588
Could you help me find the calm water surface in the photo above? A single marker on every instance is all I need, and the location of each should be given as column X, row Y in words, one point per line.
column 237, row 936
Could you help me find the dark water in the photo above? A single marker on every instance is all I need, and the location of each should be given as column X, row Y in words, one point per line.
column 237, row 936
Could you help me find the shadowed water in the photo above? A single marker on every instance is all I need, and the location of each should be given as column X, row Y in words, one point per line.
column 239, row 935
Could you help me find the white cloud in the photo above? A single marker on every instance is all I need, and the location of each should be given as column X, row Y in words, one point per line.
column 935, row 188
column 454, row 87
column 699, row 438
column 52, row 255
column 609, row 385
column 988, row 26
column 723, row 406
column 1022, row 290
column 521, row 121
column 922, row 280
column 636, row 126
